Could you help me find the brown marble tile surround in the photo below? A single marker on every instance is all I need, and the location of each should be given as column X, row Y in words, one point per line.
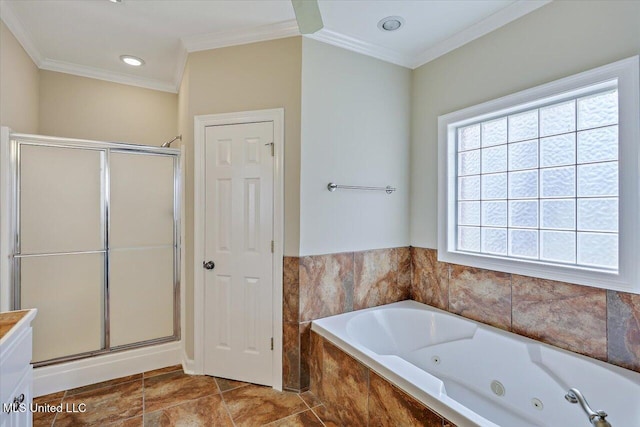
column 344, row 386
column 388, row 404
column 590, row 321
column 480, row 295
column 380, row 277
column 623, row 329
column 594, row 322
column 353, row 395
column 567, row 316
column 323, row 285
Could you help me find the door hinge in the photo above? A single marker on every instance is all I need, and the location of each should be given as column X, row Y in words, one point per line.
column 272, row 146
column 271, row 343
column 273, row 245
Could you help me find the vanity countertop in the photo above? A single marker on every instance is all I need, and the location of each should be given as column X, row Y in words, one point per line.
column 9, row 319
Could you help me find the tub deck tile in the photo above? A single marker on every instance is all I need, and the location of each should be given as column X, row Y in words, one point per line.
column 291, row 355
column 388, row 404
column 345, row 386
column 305, row 347
column 316, row 356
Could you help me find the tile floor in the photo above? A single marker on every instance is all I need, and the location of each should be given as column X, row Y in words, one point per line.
column 169, row 397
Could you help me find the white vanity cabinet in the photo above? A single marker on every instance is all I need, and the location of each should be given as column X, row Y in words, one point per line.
column 16, row 372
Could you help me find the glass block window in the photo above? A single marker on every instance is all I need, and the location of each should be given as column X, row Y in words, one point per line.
column 546, row 182
column 542, row 183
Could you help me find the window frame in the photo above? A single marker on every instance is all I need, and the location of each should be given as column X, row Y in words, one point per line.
column 627, row 74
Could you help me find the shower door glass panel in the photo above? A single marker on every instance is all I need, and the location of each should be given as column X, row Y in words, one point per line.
column 142, row 242
column 61, row 202
column 141, row 294
column 67, row 290
column 95, row 245
column 141, row 200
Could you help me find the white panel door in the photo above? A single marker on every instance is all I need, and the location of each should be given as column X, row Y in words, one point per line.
column 238, row 233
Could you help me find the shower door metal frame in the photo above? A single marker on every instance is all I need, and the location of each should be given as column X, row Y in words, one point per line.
column 105, row 148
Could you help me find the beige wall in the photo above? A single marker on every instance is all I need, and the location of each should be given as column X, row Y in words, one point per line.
column 248, row 77
column 185, row 128
column 58, row 104
column 18, row 85
column 557, row 40
column 79, row 107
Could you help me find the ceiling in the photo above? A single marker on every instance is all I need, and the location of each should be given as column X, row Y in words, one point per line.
column 87, row 37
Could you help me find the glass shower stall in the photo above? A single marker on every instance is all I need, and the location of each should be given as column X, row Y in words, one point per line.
column 95, row 244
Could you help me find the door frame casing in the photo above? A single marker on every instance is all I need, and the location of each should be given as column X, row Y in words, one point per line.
column 201, row 122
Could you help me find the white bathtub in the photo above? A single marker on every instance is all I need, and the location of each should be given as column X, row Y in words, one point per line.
column 449, row 363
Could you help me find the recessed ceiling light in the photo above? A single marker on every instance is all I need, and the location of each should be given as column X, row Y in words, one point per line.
column 391, row 23
column 132, row 60
column 115, row 1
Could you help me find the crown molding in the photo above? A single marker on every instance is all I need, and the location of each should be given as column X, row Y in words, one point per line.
column 264, row 33
column 181, row 64
column 493, row 22
column 479, row 29
column 17, row 29
column 356, row 45
column 243, row 36
column 110, row 76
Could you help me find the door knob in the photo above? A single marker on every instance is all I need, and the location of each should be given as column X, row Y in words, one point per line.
column 209, row 265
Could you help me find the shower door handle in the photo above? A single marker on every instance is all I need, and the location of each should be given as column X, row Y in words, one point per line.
column 208, row 265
